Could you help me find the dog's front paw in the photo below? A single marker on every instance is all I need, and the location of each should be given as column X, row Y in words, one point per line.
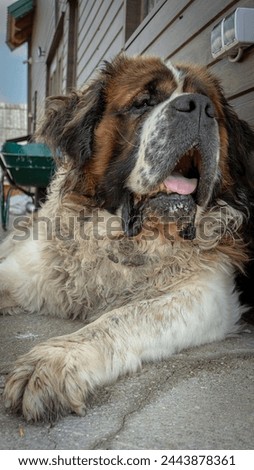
column 53, row 379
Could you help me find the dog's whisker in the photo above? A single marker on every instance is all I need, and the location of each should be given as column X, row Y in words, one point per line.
column 126, row 140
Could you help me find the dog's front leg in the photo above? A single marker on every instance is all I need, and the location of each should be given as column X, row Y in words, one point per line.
column 55, row 377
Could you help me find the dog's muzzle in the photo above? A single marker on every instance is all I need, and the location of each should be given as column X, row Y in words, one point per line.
column 179, row 148
column 180, row 145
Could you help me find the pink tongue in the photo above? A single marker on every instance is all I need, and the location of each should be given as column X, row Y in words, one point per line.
column 177, row 183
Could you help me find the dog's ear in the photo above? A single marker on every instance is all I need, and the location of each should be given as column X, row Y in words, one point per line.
column 240, row 148
column 241, row 153
column 70, row 120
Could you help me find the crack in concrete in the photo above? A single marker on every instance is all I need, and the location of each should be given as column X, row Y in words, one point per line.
column 217, row 361
column 103, row 443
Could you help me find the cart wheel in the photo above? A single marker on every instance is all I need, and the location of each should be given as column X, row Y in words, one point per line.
column 5, row 205
column 2, row 204
column 6, row 209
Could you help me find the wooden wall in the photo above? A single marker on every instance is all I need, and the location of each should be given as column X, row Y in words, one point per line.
column 180, row 31
column 177, row 30
column 100, row 35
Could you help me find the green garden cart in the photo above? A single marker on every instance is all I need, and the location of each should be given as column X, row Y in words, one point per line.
column 28, row 168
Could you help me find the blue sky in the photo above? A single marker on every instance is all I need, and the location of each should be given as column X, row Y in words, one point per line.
column 13, row 73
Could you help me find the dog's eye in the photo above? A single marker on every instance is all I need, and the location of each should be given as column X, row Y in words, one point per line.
column 140, row 105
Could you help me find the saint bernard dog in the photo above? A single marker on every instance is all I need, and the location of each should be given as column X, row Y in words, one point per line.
column 144, row 230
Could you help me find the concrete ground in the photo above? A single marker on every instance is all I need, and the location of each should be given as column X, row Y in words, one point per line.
column 202, row 398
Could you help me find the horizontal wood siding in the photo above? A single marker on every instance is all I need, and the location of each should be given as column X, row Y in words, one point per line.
column 244, row 106
column 101, row 33
column 237, row 77
column 145, row 37
column 180, row 31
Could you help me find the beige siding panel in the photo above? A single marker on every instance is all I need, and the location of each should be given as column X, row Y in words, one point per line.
column 87, row 17
column 108, row 54
column 197, row 50
column 84, row 9
column 107, row 42
column 236, row 77
column 145, row 35
column 244, row 106
column 90, row 29
column 185, row 26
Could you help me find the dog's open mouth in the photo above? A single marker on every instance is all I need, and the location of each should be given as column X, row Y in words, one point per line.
column 172, row 201
column 184, row 178
column 175, row 200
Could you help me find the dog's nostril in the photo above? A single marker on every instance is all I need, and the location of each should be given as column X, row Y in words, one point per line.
column 209, row 110
column 192, row 106
column 185, row 105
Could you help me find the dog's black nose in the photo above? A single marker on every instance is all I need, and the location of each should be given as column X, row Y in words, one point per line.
column 194, row 103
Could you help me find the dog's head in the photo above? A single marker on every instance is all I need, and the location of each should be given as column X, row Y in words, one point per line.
column 146, row 137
